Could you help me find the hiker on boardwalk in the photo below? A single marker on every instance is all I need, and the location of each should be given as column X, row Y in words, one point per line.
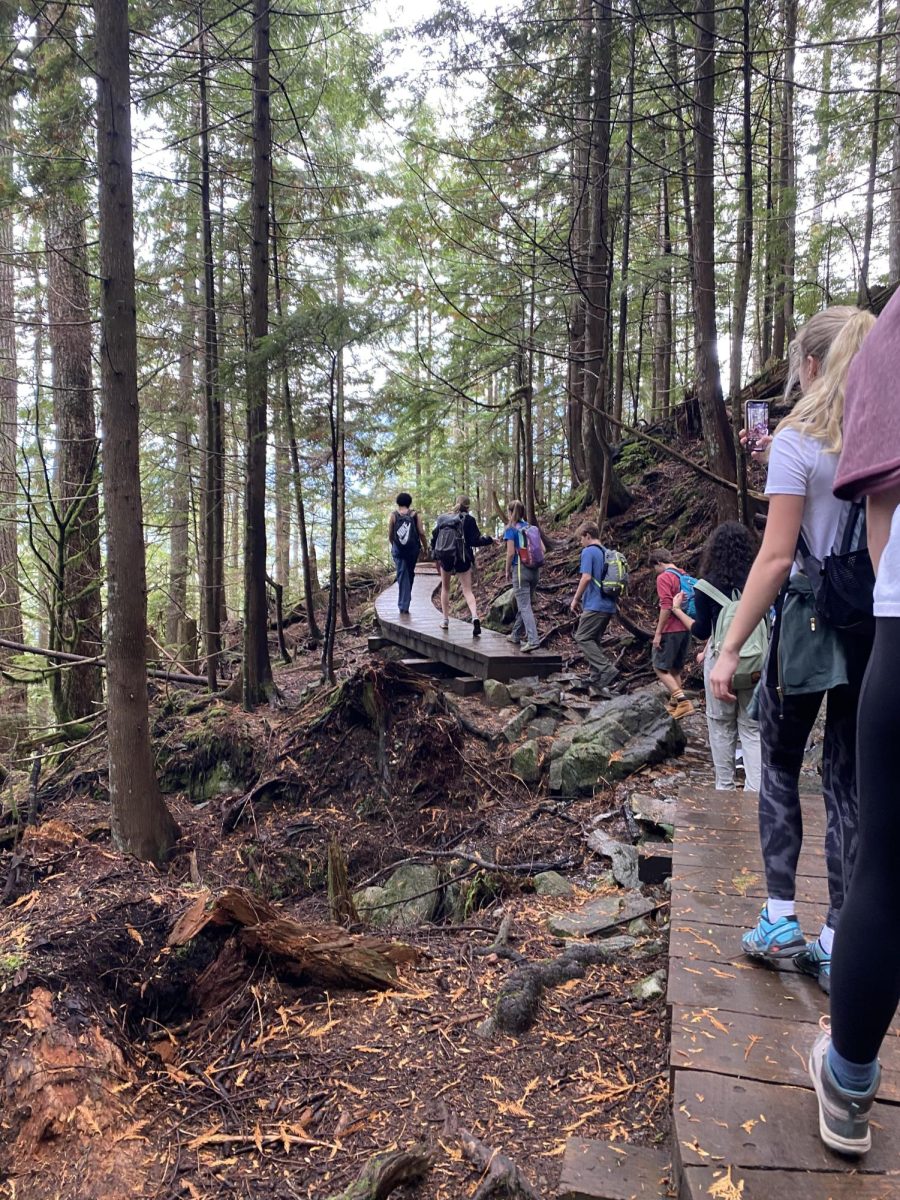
column 808, row 659
column 524, row 556
column 671, row 641
column 453, row 543
column 406, row 535
column 865, row 986
column 727, row 558
column 597, row 593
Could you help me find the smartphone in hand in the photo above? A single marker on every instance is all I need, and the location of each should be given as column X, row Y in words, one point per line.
column 757, row 418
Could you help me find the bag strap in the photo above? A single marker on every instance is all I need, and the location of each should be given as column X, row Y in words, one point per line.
column 855, row 517
column 713, row 592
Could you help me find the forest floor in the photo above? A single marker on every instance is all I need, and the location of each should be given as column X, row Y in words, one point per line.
column 137, row 1067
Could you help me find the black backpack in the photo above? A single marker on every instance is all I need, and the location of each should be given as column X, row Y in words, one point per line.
column 406, row 534
column 844, row 584
column 450, row 540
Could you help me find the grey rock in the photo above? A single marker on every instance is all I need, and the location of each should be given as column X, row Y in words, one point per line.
column 651, row 987
column 369, row 904
column 402, row 894
column 606, row 912
column 496, row 693
column 653, row 810
column 624, row 858
column 526, row 686
column 525, row 760
column 543, row 727
column 502, row 612
column 640, row 927
column 551, row 883
column 544, row 697
column 514, row 729
column 617, row 738
column 650, row 949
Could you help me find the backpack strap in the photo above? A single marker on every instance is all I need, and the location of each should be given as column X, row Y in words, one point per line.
column 713, row 592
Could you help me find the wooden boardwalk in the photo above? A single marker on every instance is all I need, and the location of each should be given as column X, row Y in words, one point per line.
column 490, row 656
column 744, row 1113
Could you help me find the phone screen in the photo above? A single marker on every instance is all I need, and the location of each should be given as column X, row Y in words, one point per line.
column 757, row 422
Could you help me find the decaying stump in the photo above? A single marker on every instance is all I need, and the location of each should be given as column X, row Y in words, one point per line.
column 385, row 1172
column 323, row 954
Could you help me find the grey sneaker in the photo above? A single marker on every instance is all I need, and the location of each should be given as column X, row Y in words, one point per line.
column 813, row 960
column 843, row 1116
column 529, row 646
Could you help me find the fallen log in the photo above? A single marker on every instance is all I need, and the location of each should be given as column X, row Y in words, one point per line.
column 385, row 1172
column 62, row 657
column 500, row 1175
column 323, row 954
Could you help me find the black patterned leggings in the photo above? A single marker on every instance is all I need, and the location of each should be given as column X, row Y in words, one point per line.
column 865, row 972
column 784, row 729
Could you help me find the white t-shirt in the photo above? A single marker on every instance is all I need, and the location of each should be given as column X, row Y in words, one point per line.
column 800, row 465
column 887, row 582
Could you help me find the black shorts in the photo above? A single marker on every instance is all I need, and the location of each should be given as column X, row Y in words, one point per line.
column 451, row 564
column 672, row 654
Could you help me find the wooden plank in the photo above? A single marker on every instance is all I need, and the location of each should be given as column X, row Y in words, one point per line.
column 594, row 1170
column 705, row 1182
column 718, row 943
column 741, row 882
column 740, row 857
column 768, row 1049
column 765, row 1125
column 733, row 910
column 746, row 987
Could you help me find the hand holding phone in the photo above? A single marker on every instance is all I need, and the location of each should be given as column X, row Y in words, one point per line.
column 757, row 416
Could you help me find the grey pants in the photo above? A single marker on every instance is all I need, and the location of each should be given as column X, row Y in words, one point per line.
column 591, row 627
column 525, row 580
column 725, row 722
column 784, row 732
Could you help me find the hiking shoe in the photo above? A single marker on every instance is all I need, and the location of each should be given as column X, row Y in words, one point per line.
column 683, row 708
column 476, row 627
column 515, row 641
column 774, row 940
column 812, row 960
column 445, row 624
column 529, row 646
column 843, row 1115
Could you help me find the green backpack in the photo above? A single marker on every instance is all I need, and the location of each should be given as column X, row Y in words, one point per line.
column 753, row 653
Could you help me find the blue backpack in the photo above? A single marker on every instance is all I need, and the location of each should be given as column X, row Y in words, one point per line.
column 688, row 582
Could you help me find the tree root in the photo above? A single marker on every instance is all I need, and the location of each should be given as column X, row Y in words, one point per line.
column 501, row 1175
column 519, row 999
column 385, row 1172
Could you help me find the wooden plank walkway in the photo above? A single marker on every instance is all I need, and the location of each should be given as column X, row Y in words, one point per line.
column 490, row 656
column 745, row 1119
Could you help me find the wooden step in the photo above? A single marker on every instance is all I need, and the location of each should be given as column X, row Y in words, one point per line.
column 594, row 1170
column 426, row 666
column 465, row 685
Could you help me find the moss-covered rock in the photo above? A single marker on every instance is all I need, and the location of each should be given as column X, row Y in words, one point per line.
column 525, row 762
column 502, row 612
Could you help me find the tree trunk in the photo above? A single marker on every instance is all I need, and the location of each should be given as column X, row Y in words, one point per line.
column 863, row 297
column 179, row 540
column 783, row 329
column 331, row 611
column 744, row 264
column 626, row 237
column 580, row 237
column 341, row 432
column 662, row 314
column 257, row 672
column 823, row 128
column 716, row 428
column 894, row 231
column 12, row 696
column 771, row 243
column 140, row 823
column 213, row 575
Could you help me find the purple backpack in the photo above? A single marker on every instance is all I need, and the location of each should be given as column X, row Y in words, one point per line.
column 531, row 549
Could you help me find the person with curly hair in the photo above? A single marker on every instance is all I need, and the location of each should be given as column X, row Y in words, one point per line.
column 727, row 558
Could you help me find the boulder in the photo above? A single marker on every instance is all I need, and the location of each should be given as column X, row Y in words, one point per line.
column 401, row 901
column 544, row 697
column 543, row 727
column 526, row 686
column 514, row 729
column 525, row 761
column 624, row 858
column 502, row 611
column 496, row 693
column 551, row 883
column 606, row 912
column 618, row 737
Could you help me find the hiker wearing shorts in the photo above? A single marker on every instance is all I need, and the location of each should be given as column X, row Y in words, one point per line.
column 523, row 576
column 671, row 641
column 808, row 660
column 727, row 557
column 597, row 608
column 406, row 536
column 453, row 542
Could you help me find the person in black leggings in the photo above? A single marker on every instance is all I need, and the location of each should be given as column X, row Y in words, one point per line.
column 865, row 985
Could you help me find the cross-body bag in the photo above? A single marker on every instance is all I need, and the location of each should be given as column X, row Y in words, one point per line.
column 843, row 585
